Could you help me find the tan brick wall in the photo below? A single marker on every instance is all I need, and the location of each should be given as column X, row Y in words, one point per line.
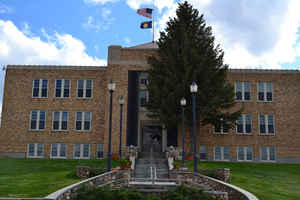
column 286, row 110
column 18, row 103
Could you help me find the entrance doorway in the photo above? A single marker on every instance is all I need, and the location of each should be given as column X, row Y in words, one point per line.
column 152, row 138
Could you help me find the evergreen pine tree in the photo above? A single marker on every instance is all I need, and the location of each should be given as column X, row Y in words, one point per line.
column 187, row 53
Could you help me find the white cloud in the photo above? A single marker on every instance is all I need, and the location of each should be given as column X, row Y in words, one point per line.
column 106, row 13
column 99, row 25
column 127, row 40
column 101, row 2
column 4, row 9
column 26, row 29
column 252, row 33
column 160, row 4
column 61, row 49
column 91, row 24
column 135, row 4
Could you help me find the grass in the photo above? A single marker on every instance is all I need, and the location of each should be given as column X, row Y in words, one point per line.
column 268, row 181
column 39, row 177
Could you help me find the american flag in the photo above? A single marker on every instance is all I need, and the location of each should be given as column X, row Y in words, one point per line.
column 146, row 12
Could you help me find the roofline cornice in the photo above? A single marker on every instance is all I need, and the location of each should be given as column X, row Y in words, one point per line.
column 265, row 71
column 62, row 67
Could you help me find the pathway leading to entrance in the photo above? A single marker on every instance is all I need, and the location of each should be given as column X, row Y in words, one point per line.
column 151, row 165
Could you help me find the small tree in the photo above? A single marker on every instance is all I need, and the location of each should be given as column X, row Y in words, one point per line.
column 187, row 53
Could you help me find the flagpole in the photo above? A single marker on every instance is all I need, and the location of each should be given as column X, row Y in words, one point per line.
column 153, row 23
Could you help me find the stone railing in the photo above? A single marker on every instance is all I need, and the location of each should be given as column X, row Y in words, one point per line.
column 195, row 179
column 116, row 178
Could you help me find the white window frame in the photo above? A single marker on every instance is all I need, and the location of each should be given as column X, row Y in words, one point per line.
column 81, row 151
column 62, row 89
column 85, row 88
column 143, row 77
column 222, row 153
column 244, row 125
column 60, row 121
column 147, row 97
column 266, row 124
column 206, row 152
column 58, row 151
column 244, row 153
column 83, row 120
column 40, row 88
column 98, row 151
column 268, row 154
column 38, row 120
column 265, row 92
column 35, row 151
column 243, row 90
column 221, row 130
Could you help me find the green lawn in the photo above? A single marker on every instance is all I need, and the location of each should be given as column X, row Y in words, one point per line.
column 265, row 180
column 39, row 177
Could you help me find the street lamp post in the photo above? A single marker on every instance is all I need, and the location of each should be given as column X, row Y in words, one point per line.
column 182, row 103
column 111, row 88
column 194, row 89
column 121, row 101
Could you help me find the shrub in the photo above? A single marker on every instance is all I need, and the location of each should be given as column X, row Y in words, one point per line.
column 124, row 163
column 97, row 171
column 184, row 193
column 107, row 193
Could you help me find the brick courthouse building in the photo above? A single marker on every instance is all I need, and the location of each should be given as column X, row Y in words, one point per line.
column 62, row 112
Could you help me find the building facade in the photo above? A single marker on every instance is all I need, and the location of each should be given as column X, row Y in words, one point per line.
column 63, row 112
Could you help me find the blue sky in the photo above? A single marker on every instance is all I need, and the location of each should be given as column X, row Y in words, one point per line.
column 253, row 33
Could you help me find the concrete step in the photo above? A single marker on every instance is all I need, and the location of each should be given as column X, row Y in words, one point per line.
column 154, row 155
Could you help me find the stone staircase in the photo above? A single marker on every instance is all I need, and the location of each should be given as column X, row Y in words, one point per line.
column 151, row 166
column 151, row 174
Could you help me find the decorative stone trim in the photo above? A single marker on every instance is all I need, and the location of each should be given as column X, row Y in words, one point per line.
column 114, row 178
column 194, row 180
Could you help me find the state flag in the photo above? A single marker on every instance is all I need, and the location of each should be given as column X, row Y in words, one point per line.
column 147, row 24
column 146, row 12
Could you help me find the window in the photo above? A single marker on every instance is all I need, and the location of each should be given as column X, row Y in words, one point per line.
column 266, row 124
column 244, row 153
column 58, row 150
column 222, row 153
column 60, row 120
column 244, row 124
column 265, row 91
column 40, row 88
column 83, row 121
column 82, row 151
column 37, row 120
column 35, row 150
column 242, row 91
column 100, row 151
column 144, row 97
column 221, row 127
column 84, row 88
column 62, row 88
column 267, row 154
column 203, row 153
column 143, row 78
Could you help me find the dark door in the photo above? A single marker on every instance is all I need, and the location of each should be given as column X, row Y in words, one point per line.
column 152, row 139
